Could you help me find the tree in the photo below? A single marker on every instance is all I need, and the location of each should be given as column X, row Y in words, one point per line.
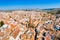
column 58, row 12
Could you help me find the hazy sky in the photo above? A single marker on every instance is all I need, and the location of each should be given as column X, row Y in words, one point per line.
column 25, row 4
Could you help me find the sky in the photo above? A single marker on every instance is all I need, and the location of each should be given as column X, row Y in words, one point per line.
column 28, row 4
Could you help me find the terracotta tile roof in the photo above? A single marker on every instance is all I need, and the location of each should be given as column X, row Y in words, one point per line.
column 18, row 28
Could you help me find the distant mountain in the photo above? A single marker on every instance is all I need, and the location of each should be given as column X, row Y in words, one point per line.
column 51, row 9
column 55, row 11
column 45, row 10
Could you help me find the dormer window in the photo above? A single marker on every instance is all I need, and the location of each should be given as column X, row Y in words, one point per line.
column 48, row 22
